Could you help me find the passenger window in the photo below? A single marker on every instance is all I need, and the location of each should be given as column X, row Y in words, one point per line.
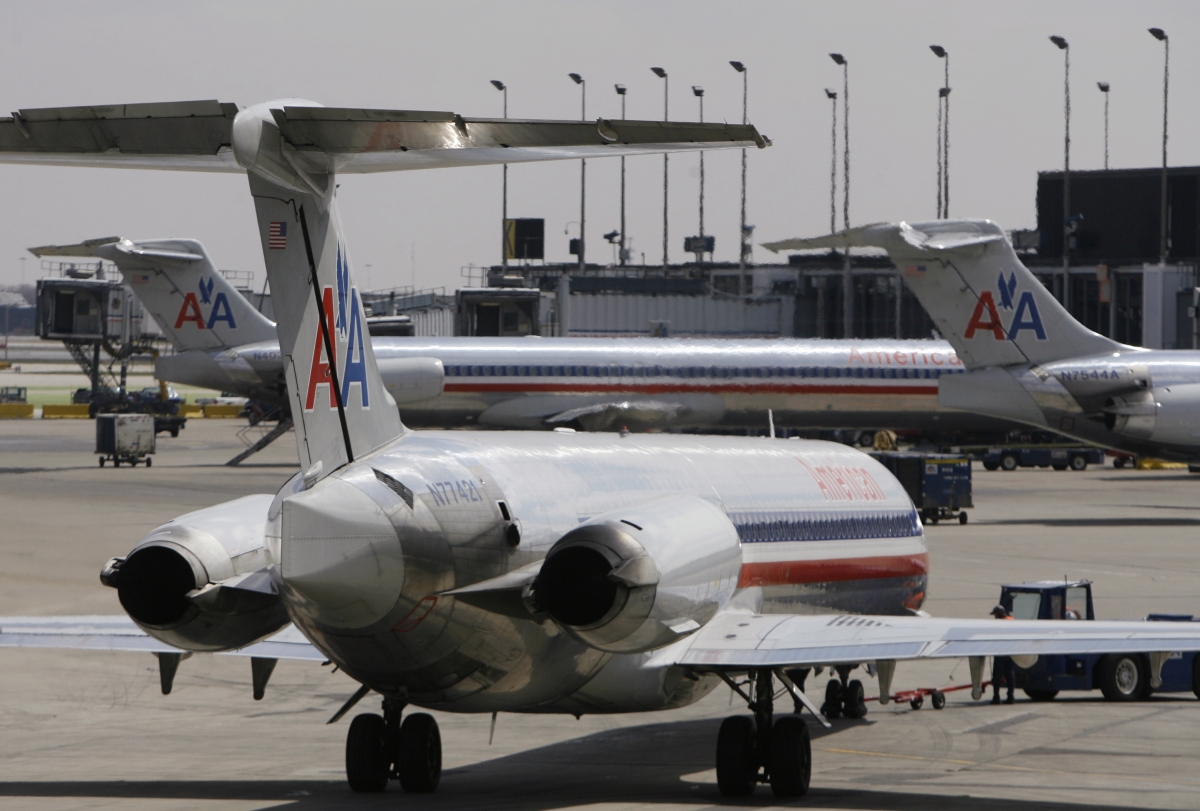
column 1077, row 602
column 1026, row 605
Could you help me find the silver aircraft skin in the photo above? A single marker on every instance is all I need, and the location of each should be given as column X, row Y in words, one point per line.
column 518, row 571
column 223, row 343
column 1027, row 359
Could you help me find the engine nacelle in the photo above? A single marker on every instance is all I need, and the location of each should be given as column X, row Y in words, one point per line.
column 638, row 579
column 199, row 582
column 1167, row 414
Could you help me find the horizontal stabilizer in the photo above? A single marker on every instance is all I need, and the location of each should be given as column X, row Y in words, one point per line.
column 88, row 247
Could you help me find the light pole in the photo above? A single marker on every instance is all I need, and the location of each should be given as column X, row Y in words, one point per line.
column 1066, row 289
column 832, row 96
column 943, row 134
column 744, row 248
column 579, row 80
column 662, row 74
column 847, row 278
column 1161, row 36
column 499, row 85
column 699, row 93
column 1104, row 88
column 621, row 254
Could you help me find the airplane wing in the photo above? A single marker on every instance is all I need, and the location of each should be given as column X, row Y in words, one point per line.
column 119, row 633
column 738, row 641
column 198, row 136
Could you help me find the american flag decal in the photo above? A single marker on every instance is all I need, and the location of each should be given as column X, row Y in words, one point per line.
column 277, row 236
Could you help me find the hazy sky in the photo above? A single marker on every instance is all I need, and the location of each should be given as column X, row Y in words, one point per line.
column 1006, row 124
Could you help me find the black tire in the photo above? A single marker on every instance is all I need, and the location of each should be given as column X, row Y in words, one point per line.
column 791, row 757
column 1118, row 461
column 101, row 461
column 991, row 465
column 116, row 462
column 938, row 699
column 737, row 768
column 420, row 758
column 832, row 708
column 1040, row 695
column 962, row 517
column 1196, row 675
column 1059, row 467
column 367, row 767
column 174, row 432
column 1008, row 462
column 853, row 705
column 1079, row 463
column 1120, row 676
column 917, row 703
column 149, row 461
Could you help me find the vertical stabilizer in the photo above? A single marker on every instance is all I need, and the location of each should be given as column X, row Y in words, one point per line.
column 196, row 306
column 991, row 309
column 338, row 401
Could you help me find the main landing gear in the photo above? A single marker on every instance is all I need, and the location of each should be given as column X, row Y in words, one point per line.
column 380, row 748
column 764, row 749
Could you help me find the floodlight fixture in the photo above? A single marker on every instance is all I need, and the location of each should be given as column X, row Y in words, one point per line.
column 697, row 90
column 620, row 89
column 1060, row 42
column 938, row 51
column 576, row 78
column 659, row 72
column 499, row 85
column 738, row 66
column 1158, row 34
column 841, row 60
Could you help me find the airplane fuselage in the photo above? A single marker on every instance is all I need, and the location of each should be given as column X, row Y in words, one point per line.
column 605, row 384
column 819, row 529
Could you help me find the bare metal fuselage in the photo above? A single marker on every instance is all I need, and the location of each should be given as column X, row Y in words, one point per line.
column 816, row 522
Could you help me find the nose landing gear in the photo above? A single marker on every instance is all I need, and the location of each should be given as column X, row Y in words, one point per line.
column 380, row 748
column 763, row 749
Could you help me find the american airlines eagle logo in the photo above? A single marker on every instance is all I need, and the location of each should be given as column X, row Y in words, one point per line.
column 1024, row 309
column 193, row 308
column 343, row 314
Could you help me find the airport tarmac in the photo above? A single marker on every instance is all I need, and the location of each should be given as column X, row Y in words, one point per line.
column 91, row 730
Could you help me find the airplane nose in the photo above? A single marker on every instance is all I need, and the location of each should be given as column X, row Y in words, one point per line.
column 340, row 556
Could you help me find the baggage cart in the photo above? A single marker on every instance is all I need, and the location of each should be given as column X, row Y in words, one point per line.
column 938, row 483
column 125, row 438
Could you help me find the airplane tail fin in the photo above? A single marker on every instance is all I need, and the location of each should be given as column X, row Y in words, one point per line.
column 195, row 306
column 991, row 309
column 338, row 401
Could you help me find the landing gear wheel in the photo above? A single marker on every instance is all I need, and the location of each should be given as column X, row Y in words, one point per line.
column 366, row 754
column 1008, row 462
column 853, row 704
column 938, row 699
column 1120, row 676
column 1079, row 463
column 917, row 703
column 791, row 757
column 737, row 769
column 420, row 759
column 832, row 708
column 1040, row 695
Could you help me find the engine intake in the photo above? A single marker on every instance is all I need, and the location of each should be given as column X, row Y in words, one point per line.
column 638, row 579
column 1166, row 414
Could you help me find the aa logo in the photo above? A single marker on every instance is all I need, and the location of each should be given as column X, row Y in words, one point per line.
column 1024, row 309
column 190, row 310
column 344, row 318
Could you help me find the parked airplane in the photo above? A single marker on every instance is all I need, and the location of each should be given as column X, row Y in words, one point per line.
column 518, row 572
column 1027, row 359
column 222, row 342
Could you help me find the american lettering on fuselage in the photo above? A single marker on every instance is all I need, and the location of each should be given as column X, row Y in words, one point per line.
column 644, row 570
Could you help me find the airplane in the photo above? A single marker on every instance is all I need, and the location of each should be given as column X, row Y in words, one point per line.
column 511, row 571
column 1027, row 360
column 223, row 342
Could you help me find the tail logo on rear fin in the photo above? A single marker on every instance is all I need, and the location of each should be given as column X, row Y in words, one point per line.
column 986, row 317
column 344, row 314
column 190, row 311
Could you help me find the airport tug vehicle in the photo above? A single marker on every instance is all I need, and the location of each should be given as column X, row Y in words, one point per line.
column 508, row 572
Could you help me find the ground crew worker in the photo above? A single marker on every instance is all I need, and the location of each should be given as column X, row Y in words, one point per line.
column 1003, row 668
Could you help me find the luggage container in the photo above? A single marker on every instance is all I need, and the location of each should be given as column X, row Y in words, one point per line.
column 938, row 483
column 125, row 438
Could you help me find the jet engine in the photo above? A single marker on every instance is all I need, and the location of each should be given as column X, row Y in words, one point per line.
column 1167, row 414
column 200, row 582
column 638, row 579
